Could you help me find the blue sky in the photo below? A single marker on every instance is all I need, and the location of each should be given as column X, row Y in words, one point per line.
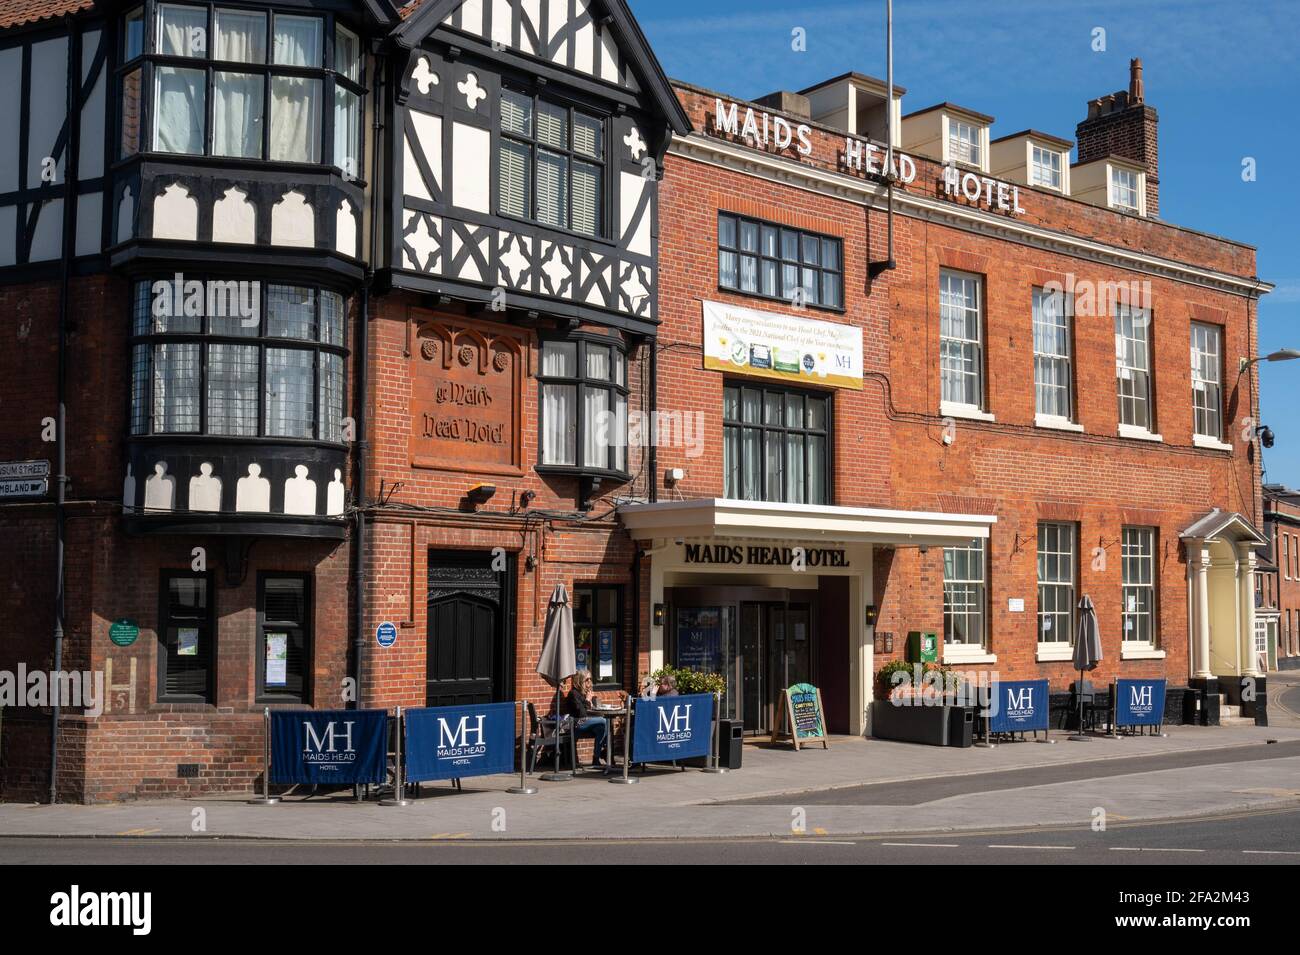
column 1224, row 77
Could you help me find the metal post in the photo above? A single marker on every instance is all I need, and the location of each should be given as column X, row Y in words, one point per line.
column 713, row 766
column 399, row 773
column 626, row 780
column 266, row 798
column 523, row 789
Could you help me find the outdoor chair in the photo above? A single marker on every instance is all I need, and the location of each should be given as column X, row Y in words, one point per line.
column 1084, row 691
column 544, row 734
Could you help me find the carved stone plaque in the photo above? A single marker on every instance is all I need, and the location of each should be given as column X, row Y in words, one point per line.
column 465, row 397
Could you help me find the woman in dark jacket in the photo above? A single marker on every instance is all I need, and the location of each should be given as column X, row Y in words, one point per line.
column 577, row 704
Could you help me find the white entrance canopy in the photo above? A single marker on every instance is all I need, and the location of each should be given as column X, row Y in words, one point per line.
column 721, row 517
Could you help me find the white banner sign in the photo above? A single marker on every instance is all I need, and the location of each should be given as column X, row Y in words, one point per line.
column 746, row 341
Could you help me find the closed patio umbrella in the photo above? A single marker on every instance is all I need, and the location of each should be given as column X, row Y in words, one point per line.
column 559, row 660
column 1087, row 652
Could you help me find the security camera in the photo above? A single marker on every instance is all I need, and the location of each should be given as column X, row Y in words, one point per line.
column 1266, row 437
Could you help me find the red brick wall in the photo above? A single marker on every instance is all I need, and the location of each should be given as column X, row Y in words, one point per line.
column 889, row 436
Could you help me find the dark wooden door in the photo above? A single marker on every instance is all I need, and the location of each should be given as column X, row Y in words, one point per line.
column 467, row 654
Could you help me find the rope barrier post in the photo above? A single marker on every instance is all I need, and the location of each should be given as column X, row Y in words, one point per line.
column 713, row 766
column 266, row 799
column 523, row 789
column 399, row 772
column 625, row 780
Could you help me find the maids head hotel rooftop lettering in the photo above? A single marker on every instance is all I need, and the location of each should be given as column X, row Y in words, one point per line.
column 375, row 307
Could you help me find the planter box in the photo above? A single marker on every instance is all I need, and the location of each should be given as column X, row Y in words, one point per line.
column 910, row 724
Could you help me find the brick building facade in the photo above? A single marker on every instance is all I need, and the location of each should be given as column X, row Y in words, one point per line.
column 514, row 311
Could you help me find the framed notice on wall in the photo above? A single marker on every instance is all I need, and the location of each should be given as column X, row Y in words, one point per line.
column 789, row 348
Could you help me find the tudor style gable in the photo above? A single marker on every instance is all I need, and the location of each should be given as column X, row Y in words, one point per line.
column 526, row 140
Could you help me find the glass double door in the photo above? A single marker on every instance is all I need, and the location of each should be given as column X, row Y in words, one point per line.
column 774, row 642
column 761, row 646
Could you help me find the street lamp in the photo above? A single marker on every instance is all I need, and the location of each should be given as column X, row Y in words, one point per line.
column 1282, row 354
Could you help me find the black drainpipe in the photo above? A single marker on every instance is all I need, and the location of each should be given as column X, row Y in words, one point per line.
column 70, row 146
column 361, row 447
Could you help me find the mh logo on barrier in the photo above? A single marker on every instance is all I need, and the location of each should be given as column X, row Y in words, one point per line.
column 675, row 724
column 464, row 738
column 1140, row 699
column 1020, row 701
column 324, row 747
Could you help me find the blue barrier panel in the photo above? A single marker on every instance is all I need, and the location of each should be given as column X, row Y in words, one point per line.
column 334, row 747
column 1019, row 707
column 456, row 742
column 1139, row 702
column 672, row 727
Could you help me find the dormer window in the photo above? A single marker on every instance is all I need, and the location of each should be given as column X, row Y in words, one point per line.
column 1124, row 190
column 1045, row 167
column 242, row 84
column 964, row 143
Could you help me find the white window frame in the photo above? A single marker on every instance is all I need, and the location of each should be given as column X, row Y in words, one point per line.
column 1207, row 381
column 1057, row 542
column 1121, row 189
column 1139, row 614
column 1133, row 358
column 1062, row 325
column 965, row 142
column 971, row 350
column 1043, row 159
column 966, row 597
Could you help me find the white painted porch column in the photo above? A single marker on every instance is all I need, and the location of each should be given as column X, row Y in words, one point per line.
column 1200, row 557
column 1246, row 603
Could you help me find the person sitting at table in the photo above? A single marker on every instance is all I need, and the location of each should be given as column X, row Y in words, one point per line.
column 577, row 703
column 667, row 685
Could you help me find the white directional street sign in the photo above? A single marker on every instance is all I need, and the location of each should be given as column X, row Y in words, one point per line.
column 24, row 478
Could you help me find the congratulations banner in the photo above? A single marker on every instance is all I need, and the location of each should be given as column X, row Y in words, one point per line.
column 1139, row 702
column 456, row 742
column 746, row 341
column 329, row 746
column 1019, row 707
column 672, row 727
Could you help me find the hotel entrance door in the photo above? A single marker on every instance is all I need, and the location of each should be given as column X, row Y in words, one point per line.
column 774, row 653
column 758, row 638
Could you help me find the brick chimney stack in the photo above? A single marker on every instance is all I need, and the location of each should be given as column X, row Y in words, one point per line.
column 1122, row 124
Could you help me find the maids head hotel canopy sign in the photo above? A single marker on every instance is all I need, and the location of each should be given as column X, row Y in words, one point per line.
column 766, row 130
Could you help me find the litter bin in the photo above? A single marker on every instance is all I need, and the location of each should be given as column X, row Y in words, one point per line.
column 961, row 726
column 731, row 743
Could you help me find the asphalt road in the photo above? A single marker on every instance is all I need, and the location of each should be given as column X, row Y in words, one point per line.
column 920, row 791
column 1239, row 839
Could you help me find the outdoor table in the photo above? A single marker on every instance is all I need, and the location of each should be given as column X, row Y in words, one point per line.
column 609, row 713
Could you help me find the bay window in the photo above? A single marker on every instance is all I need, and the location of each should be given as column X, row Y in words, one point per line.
column 243, row 84
column 584, row 405
column 551, row 164
column 776, row 444
column 273, row 369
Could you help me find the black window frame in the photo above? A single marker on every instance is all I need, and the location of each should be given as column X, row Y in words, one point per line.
column 207, row 637
column 571, row 107
column 738, row 426
column 305, row 626
column 582, row 383
column 618, row 625
column 148, row 60
column 780, row 261
column 263, row 341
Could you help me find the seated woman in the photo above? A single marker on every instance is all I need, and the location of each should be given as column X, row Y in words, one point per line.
column 577, row 704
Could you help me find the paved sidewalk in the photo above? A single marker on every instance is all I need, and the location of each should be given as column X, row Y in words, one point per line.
column 672, row 804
